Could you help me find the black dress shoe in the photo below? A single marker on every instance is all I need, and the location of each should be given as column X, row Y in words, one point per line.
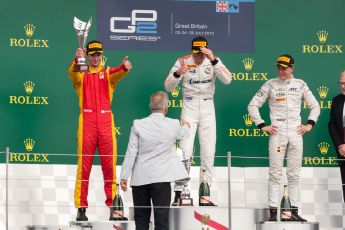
column 295, row 216
column 273, row 214
column 81, row 216
column 177, row 197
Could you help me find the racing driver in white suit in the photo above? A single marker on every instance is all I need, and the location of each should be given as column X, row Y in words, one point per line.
column 285, row 95
column 198, row 73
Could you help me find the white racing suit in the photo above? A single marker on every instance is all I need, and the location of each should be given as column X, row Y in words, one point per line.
column 198, row 85
column 285, row 98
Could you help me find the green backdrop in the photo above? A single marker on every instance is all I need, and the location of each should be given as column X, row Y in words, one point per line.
column 49, row 114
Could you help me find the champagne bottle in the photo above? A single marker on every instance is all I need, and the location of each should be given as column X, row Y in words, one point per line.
column 204, row 191
column 117, row 209
column 285, row 206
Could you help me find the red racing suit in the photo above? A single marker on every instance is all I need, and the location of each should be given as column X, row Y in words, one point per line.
column 96, row 127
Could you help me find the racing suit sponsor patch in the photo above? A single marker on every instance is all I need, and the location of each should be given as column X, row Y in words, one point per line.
column 192, row 82
column 207, row 70
column 259, row 94
column 192, row 71
column 280, row 94
column 279, row 99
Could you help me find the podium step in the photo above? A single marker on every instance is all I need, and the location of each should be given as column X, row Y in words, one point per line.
column 195, row 217
column 287, row 226
column 39, row 227
column 102, row 225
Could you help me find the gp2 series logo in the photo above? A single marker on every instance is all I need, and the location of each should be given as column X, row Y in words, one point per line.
column 141, row 22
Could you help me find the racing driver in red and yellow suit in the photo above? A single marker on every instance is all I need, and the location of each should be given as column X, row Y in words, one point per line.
column 95, row 90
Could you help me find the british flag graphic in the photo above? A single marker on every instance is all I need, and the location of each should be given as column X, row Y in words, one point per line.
column 222, row 6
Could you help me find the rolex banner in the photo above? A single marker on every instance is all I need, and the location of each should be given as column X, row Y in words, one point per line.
column 39, row 107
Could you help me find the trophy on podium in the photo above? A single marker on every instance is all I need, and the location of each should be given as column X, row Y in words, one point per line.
column 82, row 29
column 185, row 199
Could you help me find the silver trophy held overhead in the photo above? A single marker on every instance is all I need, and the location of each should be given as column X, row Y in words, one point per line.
column 82, row 29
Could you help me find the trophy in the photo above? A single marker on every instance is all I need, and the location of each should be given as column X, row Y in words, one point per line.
column 82, row 29
column 185, row 199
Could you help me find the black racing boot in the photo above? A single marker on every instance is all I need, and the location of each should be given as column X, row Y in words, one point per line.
column 295, row 216
column 273, row 214
column 177, row 197
column 81, row 216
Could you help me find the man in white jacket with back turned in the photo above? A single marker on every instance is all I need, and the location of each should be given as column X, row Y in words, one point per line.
column 152, row 164
column 198, row 73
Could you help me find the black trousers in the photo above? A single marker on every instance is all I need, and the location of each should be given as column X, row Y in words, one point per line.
column 160, row 194
column 341, row 164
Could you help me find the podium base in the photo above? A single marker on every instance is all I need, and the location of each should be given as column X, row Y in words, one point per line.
column 102, row 225
column 38, row 227
column 287, row 226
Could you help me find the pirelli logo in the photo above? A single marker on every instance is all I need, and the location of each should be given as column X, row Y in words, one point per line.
column 200, row 43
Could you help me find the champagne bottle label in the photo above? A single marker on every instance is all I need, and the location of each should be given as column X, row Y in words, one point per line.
column 117, row 209
column 286, row 215
column 204, row 199
column 285, row 206
column 117, row 214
